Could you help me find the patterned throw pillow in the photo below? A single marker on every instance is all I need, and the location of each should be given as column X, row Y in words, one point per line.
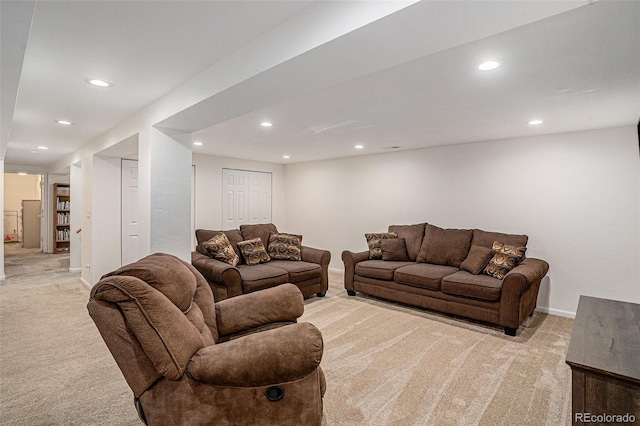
column 284, row 246
column 505, row 258
column 220, row 248
column 373, row 241
column 253, row 251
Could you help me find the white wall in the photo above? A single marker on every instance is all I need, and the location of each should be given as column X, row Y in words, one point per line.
column 105, row 213
column 576, row 195
column 208, row 187
column 75, row 217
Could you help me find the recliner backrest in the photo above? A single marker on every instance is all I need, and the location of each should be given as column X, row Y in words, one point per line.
column 167, row 308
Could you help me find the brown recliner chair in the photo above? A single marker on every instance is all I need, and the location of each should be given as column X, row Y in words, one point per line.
column 188, row 360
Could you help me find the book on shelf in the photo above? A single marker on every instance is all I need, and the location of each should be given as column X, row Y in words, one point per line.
column 62, row 234
column 62, row 219
column 62, row 205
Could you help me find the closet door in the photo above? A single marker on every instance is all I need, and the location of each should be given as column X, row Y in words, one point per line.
column 246, row 198
column 260, row 197
column 235, row 198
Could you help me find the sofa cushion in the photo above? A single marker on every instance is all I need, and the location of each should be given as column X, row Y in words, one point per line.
column 298, row 271
column 465, row 284
column 220, row 248
column 260, row 230
column 413, row 235
column 477, row 259
column 373, row 241
column 284, row 246
column 505, row 258
column 253, row 251
column 257, row 277
column 445, row 246
column 380, row 269
column 394, row 249
column 423, row 275
column 233, row 235
column 486, row 239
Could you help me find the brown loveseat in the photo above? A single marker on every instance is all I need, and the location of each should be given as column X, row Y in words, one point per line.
column 192, row 361
column 310, row 273
column 446, row 270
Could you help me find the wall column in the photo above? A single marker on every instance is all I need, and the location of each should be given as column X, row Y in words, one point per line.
column 165, row 191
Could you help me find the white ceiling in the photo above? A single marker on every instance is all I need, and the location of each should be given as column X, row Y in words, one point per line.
column 407, row 80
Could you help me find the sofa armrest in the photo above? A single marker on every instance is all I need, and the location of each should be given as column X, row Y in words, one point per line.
column 350, row 259
column 274, row 356
column 322, row 258
column 525, row 274
column 314, row 255
column 283, row 303
column 520, row 291
column 218, row 272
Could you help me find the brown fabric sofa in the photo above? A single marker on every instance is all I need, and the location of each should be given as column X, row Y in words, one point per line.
column 310, row 274
column 436, row 275
column 191, row 361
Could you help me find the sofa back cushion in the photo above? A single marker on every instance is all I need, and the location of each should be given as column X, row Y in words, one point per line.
column 486, row 239
column 233, row 235
column 260, row 230
column 413, row 235
column 445, row 246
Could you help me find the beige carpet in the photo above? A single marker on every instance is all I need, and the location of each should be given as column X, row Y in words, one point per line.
column 385, row 364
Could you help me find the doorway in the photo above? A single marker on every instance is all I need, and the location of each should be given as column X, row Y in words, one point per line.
column 23, row 213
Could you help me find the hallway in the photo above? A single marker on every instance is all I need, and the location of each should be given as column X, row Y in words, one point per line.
column 54, row 367
column 27, row 268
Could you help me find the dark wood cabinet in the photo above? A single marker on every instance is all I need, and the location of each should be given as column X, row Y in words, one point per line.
column 604, row 355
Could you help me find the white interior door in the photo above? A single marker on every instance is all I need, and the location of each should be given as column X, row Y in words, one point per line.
column 235, row 198
column 129, row 214
column 246, row 198
column 260, row 197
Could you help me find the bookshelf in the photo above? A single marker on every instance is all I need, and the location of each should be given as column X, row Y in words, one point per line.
column 61, row 215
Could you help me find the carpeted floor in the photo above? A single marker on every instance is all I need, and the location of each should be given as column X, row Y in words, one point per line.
column 385, row 364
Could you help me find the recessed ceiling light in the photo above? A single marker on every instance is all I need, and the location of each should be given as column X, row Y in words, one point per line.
column 359, row 146
column 488, row 65
column 266, row 124
column 197, row 143
column 286, row 157
column 535, row 122
column 64, row 122
column 43, row 148
column 98, row 82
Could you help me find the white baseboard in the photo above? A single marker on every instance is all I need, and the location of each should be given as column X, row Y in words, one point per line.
column 86, row 284
column 558, row 312
column 75, row 270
